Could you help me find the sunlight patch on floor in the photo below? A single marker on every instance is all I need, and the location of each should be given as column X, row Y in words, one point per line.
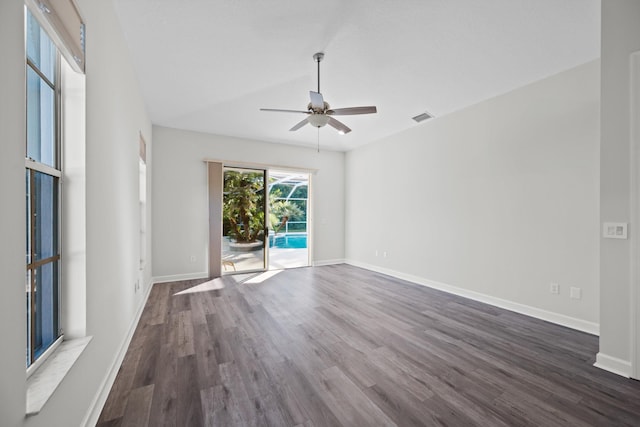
column 211, row 285
column 263, row 276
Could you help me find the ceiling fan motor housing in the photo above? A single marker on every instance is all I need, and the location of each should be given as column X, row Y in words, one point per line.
column 318, row 110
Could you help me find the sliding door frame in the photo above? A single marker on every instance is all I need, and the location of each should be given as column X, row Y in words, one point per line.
column 215, row 189
column 265, row 209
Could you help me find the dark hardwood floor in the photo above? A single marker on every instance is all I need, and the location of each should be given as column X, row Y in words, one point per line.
column 338, row 345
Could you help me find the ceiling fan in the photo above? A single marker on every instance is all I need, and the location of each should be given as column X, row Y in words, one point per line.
column 318, row 111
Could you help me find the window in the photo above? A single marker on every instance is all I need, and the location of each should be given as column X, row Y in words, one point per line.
column 43, row 172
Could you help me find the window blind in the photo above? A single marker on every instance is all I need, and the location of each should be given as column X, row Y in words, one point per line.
column 66, row 27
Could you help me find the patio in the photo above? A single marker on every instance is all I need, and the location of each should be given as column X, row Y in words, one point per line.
column 279, row 258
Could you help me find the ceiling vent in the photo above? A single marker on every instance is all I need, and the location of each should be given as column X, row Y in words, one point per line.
column 422, row 117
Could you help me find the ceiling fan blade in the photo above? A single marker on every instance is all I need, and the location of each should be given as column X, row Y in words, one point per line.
column 352, row 111
column 317, row 101
column 341, row 127
column 283, row 111
column 299, row 125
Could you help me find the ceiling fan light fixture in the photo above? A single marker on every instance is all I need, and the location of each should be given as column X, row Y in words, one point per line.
column 318, row 120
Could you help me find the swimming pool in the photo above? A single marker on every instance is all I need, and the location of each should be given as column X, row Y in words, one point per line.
column 288, row 241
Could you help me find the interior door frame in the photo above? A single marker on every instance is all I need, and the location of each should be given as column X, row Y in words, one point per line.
column 635, row 214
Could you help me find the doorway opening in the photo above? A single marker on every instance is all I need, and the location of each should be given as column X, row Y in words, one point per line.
column 288, row 219
column 265, row 220
column 244, row 210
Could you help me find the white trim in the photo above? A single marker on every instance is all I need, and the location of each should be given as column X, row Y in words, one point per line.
column 311, row 227
column 252, row 165
column 322, row 262
column 179, row 277
column 44, row 356
column 95, row 408
column 44, row 382
column 560, row 319
column 613, row 365
column 634, row 291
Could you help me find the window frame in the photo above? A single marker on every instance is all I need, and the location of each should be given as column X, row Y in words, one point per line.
column 32, row 167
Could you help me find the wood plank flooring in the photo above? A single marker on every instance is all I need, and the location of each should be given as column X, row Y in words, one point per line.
column 338, row 345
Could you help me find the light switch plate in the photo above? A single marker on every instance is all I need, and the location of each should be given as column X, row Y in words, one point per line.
column 614, row 230
column 575, row 293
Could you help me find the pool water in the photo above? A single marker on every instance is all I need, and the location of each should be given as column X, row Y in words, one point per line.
column 288, row 241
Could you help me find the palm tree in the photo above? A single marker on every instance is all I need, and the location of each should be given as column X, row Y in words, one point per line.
column 282, row 211
column 243, row 205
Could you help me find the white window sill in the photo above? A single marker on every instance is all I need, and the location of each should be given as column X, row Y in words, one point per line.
column 44, row 381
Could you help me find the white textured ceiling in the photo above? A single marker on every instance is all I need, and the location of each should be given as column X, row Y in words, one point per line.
column 210, row 65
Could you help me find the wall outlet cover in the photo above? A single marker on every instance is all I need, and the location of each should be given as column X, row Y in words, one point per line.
column 575, row 293
column 614, row 230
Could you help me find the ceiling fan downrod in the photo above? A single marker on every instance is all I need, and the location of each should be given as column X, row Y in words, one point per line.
column 318, row 57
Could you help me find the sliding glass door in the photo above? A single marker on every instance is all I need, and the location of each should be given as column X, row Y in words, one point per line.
column 244, row 210
column 289, row 237
column 265, row 219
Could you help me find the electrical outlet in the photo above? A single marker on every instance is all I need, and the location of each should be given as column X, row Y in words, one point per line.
column 384, row 254
column 376, row 252
column 554, row 288
column 192, row 258
column 575, row 293
column 614, row 230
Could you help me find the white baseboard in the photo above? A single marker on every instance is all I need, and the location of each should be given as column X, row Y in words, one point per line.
column 560, row 319
column 179, row 277
column 613, row 365
column 93, row 413
column 328, row 262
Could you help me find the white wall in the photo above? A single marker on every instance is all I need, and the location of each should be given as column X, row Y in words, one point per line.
column 497, row 200
column 620, row 38
column 115, row 115
column 180, row 198
column 12, row 223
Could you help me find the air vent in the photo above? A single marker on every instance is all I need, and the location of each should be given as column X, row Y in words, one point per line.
column 422, row 117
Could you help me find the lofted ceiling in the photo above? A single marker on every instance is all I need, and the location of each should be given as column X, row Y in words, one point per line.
column 210, row 65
